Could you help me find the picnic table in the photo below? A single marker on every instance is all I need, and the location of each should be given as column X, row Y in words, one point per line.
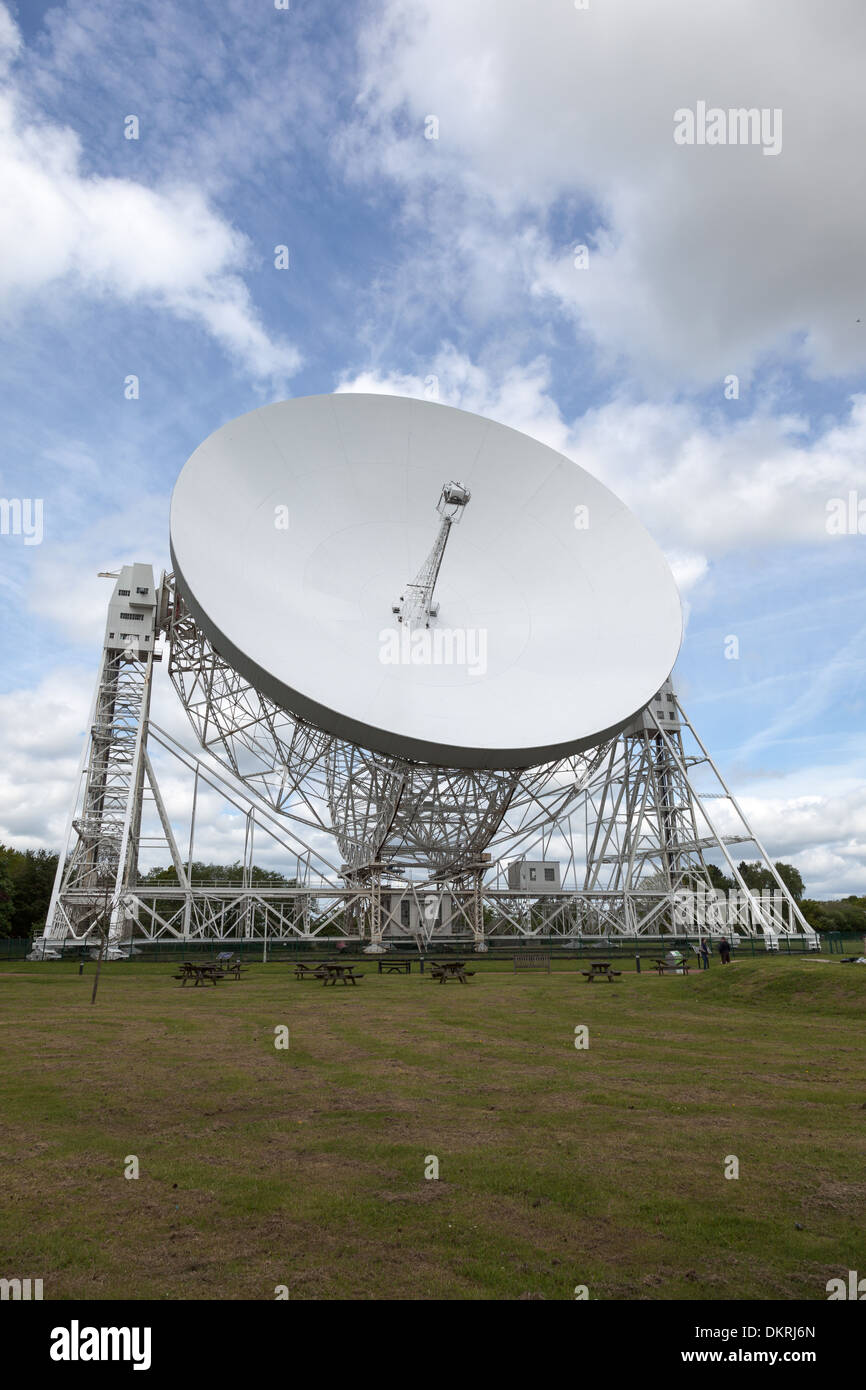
column 600, row 970
column 229, row 964
column 307, row 972
column 443, row 970
column 200, row 973
column 662, row 966
column 339, row 970
column 394, row 967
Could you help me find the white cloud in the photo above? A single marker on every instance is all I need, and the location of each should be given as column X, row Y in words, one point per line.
column 717, row 487
column 520, row 397
column 60, row 226
column 688, row 570
column 62, row 583
column 10, row 39
column 822, row 832
column 706, row 257
column 41, row 733
column 703, row 489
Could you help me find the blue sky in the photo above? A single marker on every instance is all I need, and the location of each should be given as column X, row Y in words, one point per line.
column 453, row 257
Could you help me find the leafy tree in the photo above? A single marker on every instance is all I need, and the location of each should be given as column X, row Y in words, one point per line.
column 718, row 879
column 842, row 915
column 204, row 874
column 792, row 879
column 31, row 873
column 7, row 898
column 223, row 873
column 756, row 877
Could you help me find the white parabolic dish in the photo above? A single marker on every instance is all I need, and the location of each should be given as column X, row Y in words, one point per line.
column 296, row 528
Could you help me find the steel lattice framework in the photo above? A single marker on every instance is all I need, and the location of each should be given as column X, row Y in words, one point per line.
column 416, row 604
column 106, row 820
column 367, row 839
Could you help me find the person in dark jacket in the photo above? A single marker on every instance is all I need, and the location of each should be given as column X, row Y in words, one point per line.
column 705, row 953
column 725, row 952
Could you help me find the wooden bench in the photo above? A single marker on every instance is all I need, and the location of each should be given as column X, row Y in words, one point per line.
column 532, row 960
column 394, row 967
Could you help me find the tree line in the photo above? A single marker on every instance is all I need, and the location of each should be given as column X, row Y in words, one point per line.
column 26, row 880
column 837, row 914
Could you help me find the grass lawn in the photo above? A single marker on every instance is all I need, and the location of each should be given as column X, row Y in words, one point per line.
column 305, row 1167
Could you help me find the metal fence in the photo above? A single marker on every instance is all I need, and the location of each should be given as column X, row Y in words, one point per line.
column 839, row 943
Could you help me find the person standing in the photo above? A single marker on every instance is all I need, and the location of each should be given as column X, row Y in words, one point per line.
column 705, row 953
column 725, row 951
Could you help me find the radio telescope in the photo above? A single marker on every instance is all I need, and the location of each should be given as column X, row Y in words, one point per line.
column 428, row 656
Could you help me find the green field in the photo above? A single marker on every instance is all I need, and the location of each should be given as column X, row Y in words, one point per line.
column 558, row 1167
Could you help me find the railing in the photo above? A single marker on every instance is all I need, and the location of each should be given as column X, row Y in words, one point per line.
column 14, row 947
column 627, row 948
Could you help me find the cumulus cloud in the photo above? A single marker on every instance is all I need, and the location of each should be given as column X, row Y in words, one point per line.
column 64, row 589
column 41, row 733
column 715, row 487
column 519, row 396
column 823, row 833
column 98, row 236
column 705, row 488
column 702, row 259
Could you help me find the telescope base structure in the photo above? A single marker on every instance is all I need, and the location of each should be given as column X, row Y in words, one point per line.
column 615, row 845
column 229, row 914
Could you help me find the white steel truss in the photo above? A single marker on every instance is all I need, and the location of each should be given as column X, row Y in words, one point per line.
column 416, row 604
column 369, row 843
column 100, row 850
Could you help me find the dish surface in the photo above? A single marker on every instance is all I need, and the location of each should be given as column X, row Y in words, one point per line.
column 295, row 530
